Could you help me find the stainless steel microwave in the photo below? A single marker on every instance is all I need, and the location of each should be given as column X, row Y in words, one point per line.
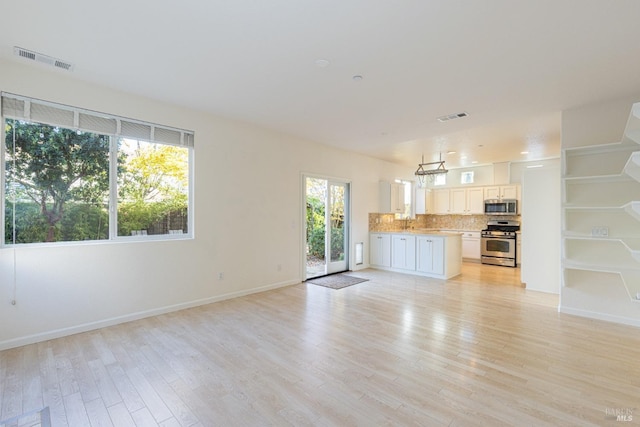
column 501, row 207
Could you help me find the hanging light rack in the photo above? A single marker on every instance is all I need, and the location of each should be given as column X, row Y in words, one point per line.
column 422, row 173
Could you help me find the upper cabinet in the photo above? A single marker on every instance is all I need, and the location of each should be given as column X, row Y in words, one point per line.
column 424, row 201
column 441, row 201
column 391, row 197
column 475, row 200
column 467, row 200
column 459, row 201
column 501, row 192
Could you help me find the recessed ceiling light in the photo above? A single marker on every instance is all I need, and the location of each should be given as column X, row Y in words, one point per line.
column 524, row 152
column 451, row 152
column 322, row 63
column 474, row 162
column 534, row 166
column 357, row 78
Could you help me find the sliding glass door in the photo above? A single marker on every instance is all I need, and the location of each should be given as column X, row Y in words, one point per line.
column 327, row 222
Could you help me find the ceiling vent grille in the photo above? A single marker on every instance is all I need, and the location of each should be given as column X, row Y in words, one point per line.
column 452, row 117
column 43, row 59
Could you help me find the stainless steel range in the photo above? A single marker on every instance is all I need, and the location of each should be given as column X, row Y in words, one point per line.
column 499, row 243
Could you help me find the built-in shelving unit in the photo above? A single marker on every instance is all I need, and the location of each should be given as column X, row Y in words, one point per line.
column 601, row 213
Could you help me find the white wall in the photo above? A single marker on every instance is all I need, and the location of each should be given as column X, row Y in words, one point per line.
column 596, row 124
column 248, row 212
column 540, row 229
column 518, row 168
column 482, row 175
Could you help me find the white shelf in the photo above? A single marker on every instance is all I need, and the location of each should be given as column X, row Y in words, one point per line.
column 577, row 276
column 622, row 221
column 603, row 252
column 632, row 167
column 632, row 130
column 597, row 161
column 602, row 191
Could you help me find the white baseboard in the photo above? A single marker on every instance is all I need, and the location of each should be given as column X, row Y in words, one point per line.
column 63, row 332
column 600, row 316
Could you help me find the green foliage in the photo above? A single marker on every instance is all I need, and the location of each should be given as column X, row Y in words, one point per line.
column 140, row 215
column 316, row 231
column 337, row 243
column 53, row 166
column 80, row 222
column 315, row 226
column 31, row 226
column 153, row 182
column 84, row 222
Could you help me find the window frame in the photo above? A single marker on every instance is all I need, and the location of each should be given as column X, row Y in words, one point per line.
column 469, row 174
column 113, row 237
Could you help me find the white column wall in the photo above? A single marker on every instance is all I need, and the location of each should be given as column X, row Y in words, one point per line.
column 248, row 212
column 540, row 229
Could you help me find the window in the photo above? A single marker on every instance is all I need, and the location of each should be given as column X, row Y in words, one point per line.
column 76, row 175
column 466, row 177
column 406, row 202
column 153, row 188
column 440, row 179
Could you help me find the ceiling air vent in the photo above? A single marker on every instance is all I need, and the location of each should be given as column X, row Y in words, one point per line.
column 451, row 117
column 43, row 59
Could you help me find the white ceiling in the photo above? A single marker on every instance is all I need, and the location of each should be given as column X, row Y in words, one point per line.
column 512, row 65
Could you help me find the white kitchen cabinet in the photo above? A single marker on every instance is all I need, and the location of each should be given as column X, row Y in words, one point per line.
column 475, row 200
column 467, row 200
column 437, row 254
column 424, row 201
column 430, row 254
column 441, row 200
column 391, row 197
column 471, row 245
column 501, row 192
column 458, row 200
column 380, row 250
column 403, row 251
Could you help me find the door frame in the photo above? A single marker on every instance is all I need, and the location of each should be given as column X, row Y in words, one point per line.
column 303, row 219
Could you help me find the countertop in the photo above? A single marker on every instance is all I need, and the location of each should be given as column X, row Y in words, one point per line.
column 424, row 231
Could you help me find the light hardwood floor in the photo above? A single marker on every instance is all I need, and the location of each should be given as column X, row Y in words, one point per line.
column 396, row 350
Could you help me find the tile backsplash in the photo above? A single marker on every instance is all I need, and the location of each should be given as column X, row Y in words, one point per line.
column 388, row 222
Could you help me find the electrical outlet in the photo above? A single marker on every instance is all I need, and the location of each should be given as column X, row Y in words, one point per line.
column 279, row 267
column 220, row 276
column 600, row 231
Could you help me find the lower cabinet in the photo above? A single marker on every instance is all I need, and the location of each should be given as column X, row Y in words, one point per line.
column 403, row 252
column 471, row 245
column 430, row 254
column 380, row 250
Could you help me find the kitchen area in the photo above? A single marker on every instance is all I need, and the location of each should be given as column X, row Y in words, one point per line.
column 479, row 224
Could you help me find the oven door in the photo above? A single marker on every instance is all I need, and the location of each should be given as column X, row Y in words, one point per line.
column 499, row 247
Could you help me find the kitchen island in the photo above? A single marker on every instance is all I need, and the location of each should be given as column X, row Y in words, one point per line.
column 424, row 252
